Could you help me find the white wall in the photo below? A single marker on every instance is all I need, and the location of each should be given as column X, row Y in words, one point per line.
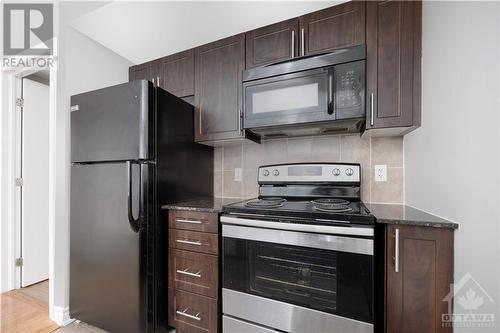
column 83, row 65
column 452, row 161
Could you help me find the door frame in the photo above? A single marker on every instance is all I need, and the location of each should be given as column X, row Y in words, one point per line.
column 10, row 196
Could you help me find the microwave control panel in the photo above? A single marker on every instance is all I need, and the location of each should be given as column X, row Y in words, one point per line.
column 350, row 87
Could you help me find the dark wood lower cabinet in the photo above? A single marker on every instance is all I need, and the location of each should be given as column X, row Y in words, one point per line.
column 193, row 313
column 418, row 274
column 193, row 284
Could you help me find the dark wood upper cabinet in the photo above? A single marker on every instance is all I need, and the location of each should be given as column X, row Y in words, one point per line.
column 218, row 88
column 149, row 71
column 394, row 34
column 139, row 72
column 272, row 43
column 419, row 270
column 332, row 28
column 177, row 73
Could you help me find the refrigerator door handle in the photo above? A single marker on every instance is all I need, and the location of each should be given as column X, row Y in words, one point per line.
column 135, row 224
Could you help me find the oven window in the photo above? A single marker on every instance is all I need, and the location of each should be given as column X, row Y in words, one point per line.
column 289, row 98
column 329, row 281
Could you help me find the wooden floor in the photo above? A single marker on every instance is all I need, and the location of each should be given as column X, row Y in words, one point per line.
column 26, row 310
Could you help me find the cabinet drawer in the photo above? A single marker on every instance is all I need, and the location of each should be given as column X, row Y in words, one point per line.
column 193, row 272
column 196, row 221
column 190, row 313
column 194, row 241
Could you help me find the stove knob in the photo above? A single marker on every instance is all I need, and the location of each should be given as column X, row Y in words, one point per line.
column 349, row 172
column 276, row 172
column 266, row 172
column 336, row 172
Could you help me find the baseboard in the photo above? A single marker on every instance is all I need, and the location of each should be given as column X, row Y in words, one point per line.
column 60, row 315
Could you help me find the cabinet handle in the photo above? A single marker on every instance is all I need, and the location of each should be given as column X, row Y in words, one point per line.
column 302, row 47
column 188, row 221
column 153, row 79
column 183, row 313
column 396, row 250
column 158, row 81
column 187, row 272
column 372, row 97
column 187, row 241
column 293, row 43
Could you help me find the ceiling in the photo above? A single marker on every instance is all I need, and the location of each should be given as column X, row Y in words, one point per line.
column 143, row 31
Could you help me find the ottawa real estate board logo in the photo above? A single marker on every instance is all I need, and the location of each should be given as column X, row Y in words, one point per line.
column 474, row 306
column 28, row 34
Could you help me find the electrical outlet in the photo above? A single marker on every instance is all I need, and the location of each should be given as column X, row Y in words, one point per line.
column 381, row 173
column 237, row 174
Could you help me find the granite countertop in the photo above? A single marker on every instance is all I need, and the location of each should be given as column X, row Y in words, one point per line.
column 208, row 204
column 384, row 213
column 406, row 215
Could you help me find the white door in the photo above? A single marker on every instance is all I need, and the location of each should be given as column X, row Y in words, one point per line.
column 35, row 189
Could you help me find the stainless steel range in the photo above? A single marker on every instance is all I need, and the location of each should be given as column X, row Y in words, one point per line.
column 299, row 258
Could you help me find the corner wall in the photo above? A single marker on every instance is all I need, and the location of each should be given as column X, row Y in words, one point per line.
column 452, row 161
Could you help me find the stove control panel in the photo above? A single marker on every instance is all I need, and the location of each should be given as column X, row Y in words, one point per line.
column 309, row 172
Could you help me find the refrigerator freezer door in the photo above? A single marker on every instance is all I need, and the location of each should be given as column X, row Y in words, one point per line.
column 107, row 275
column 114, row 123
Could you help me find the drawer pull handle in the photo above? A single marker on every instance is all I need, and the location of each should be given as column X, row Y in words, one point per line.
column 187, row 241
column 186, row 272
column 185, row 314
column 188, row 221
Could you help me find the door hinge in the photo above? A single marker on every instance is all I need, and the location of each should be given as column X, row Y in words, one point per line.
column 19, row 262
column 20, row 102
column 19, row 182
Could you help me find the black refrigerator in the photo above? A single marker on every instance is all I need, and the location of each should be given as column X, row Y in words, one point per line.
column 132, row 150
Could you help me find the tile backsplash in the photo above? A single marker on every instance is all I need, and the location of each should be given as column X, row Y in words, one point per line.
column 349, row 148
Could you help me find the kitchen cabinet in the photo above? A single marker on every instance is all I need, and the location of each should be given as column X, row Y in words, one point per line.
column 418, row 273
column 149, row 71
column 393, row 41
column 177, row 73
column 139, row 72
column 218, row 89
column 332, row 28
column 275, row 42
column 193, row 279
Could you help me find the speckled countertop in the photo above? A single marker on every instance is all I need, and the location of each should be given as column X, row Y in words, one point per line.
column 208, row 204
column 384, row 213
column 406, row 215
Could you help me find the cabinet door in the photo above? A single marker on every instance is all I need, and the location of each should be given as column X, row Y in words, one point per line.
column 177, row 73
column 272, row 43
column 139, row 72
column 393, row 63
column 155, row 72
column 332, row 28
column 218, row 88
column 148, row 71
column 419, row 270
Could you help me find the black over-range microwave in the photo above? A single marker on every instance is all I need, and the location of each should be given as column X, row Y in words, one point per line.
column 320, row 94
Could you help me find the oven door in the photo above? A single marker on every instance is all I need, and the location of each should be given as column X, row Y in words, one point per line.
column 289, row 99
column 298, row 281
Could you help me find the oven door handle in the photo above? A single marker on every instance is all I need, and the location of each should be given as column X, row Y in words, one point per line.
column 322, row 229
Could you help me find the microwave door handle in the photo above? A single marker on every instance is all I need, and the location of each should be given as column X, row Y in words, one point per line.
column 331, row 97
